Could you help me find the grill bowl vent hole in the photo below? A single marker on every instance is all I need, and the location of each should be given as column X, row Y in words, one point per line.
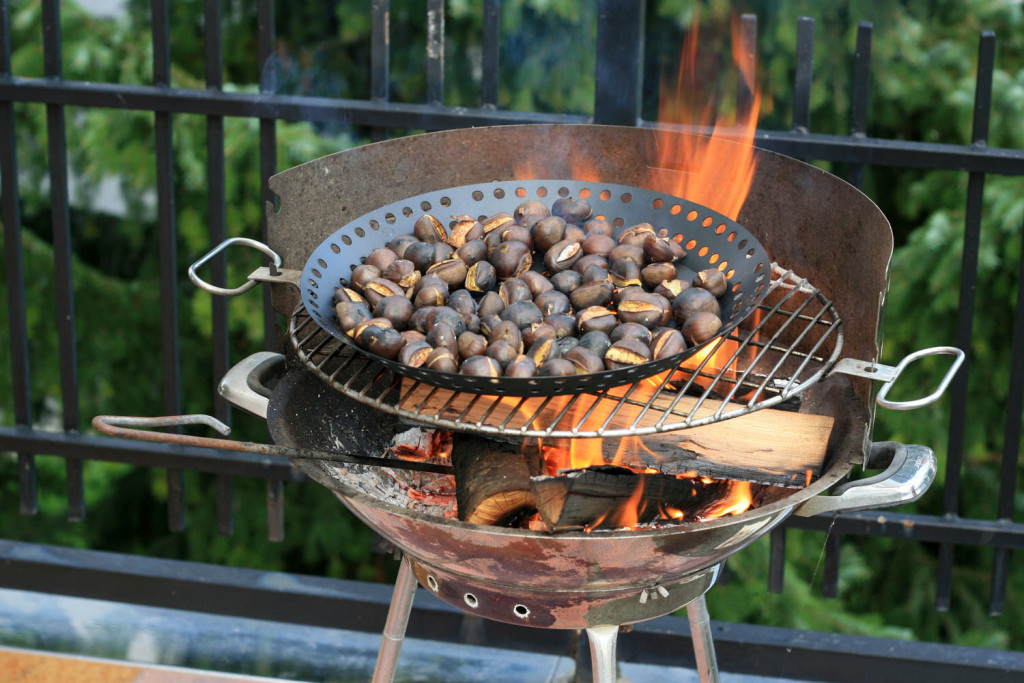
column 432, row 583
column 521, row 611
column 471, row 600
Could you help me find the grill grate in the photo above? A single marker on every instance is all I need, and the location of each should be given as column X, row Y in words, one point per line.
column 787, row 344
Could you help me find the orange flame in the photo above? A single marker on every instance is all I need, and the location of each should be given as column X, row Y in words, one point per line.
column 717, row 172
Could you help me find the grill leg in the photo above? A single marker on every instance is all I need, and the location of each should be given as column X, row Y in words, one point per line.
column 394, row 627
column 703, row 645
column 602, row 652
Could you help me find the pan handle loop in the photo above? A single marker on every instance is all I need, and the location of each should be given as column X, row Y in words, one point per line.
column 231, row 291
column 935, row 395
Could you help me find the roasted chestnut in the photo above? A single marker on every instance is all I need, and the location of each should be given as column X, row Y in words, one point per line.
column 472, row 251
column 547, row 232
column 562, row 256
column 506, row 331
column 511, row 259
column 552, row 303
column 386, row 342
column 585, row 360
column 598, row 243
column 566, row 281
column 414, row 353
column 662, row 249
column 557, row 367
column 503, row 351
column 624, row 273
column 512, row 290
column 537, row 331
column 350, row 314
column 530, row 206
column 522, row 313
column 421, row 254
column 593, row 294
column 693, row 300
column 598, row 226
column 481, row 277
column 397, row 309
column 499, row 221
column 636, row 234
column 464, row 231
column 399, row 245
column 596, row 318
column 667, row 342
column 380, row 258
column 563, row 324
column 596, row 341
column 443, row 314
column 363, row 274
column 630, row 331
column 649, row 310
column 701, row 326
column 481, row 366
column 378, row 288
column 537, row 283
column 442, row 335
column 543, row 350
column 625, row 353
column 654, row 274
column 572, row 209
column 462, row 302
column 670, row 289
column 442, row 360
column 429, row 229
column 521, row 366
column 712, row 280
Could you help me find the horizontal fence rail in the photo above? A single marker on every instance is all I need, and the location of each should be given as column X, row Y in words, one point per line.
column 617, row 98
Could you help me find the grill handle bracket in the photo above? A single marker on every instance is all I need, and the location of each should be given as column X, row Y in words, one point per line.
column 889, row 375
column 272, row 273
column 911, row 470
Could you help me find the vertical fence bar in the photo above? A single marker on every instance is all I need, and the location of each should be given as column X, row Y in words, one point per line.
column 56, row 138
column 861, row 90
column 618, row 77
column 804, row 74
column 217, row 217
column 965, row 316
column 435, row 52
column 777, row 560
column 168, row 251
column 380, row 59
column 275, row 510
column 268, row 147
column 748, row 55
column 491, row 79
column 17, row 325
column 1011, row 450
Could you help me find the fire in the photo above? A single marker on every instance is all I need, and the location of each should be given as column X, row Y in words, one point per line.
column 717, row 172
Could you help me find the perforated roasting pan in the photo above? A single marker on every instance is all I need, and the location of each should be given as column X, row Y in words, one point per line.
column 710, row 239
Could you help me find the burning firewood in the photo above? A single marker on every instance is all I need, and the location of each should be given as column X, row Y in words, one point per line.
column 492, row 480
column 609, row 497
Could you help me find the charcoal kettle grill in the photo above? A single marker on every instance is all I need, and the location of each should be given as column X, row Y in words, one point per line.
column 813, row 338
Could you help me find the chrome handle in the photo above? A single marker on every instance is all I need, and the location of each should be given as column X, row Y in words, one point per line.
column 935, row 395
column 909, row 474
column 889, row 375
column 232, row 291
column 242, row 386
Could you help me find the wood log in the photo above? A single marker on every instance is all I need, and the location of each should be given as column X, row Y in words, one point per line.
column 767, row 446
column 605, row 497
column 492, row 480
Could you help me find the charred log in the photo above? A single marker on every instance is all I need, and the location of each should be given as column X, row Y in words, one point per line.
column 492, row 481
column 608, row 497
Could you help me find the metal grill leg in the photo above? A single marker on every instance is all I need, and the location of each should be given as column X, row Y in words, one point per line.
column 602, row 652
column 394, row 627
column 703, row 645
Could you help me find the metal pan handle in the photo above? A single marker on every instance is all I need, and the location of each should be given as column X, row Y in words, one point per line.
column 935, row 395
column 911, row 470
column 889, row 375
column 272, row 274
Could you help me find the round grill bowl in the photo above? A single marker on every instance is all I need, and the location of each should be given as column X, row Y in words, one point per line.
column 710, row 239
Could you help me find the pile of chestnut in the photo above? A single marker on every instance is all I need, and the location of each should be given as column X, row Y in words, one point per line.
column 535, row 292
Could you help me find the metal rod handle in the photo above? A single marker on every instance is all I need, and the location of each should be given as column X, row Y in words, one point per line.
column 935, row 395
column 703, row 643
column 136, row 428
column 230, row 291
column 602, row 652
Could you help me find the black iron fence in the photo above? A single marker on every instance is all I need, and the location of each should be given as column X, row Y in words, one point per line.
column 617, row 101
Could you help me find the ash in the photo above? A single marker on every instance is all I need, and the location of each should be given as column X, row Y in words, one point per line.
column 423, row 492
